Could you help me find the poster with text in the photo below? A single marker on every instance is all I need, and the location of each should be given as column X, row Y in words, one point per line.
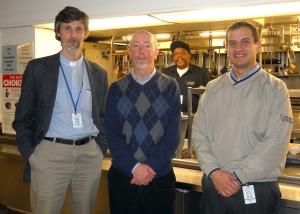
column 14, row 62
column 9, row 59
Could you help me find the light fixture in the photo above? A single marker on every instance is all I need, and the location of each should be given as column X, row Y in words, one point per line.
column 213, row 33
column 109, row 42
column 162, row 36
column 117, row 22
column 203, row 15
column 119, row 43
column 229, row 13
column 127, row 38
column 158, row 36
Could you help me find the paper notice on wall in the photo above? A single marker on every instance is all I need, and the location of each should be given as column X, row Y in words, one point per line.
column 25, row 54
column 11, row 84
column 14, row 61
column 9, row 60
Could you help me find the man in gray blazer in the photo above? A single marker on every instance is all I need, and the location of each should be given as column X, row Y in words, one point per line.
column 59, row 121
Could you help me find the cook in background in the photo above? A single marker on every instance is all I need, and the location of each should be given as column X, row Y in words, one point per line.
column 241, row 131
column 58, row 91
column 185, row 73
column 142, row 121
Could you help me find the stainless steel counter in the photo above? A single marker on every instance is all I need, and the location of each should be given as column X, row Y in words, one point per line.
column 189, row 175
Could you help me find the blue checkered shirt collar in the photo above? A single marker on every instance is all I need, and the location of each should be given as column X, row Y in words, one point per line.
column 246, row 75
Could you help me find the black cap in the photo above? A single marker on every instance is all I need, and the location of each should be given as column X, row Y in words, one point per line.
column 180, row 44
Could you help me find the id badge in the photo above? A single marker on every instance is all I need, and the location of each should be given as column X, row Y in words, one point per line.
column 181, row 99
column 77, row 120
column 249, row 194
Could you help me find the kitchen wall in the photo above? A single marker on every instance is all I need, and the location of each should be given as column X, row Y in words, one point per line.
column 93, row 52
column 45, row 43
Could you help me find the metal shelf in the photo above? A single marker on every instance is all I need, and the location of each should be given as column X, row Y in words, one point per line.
column 190, row 92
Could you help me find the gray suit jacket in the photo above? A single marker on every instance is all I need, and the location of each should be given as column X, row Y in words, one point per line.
column 36, row 103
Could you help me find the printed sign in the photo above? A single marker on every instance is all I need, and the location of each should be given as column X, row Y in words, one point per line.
column 14, row 62
column 9, row 60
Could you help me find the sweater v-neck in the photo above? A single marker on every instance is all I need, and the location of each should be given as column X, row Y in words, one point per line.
column 131, row 79
column 245, row 81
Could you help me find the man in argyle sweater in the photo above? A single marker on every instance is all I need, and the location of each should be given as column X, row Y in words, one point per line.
column 142, row 120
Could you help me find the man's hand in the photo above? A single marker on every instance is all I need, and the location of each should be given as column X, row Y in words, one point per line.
column 142, row 175
column 225, row 183
column 135, row 181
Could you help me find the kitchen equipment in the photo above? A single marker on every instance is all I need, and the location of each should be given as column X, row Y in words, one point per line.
column 116, row 66
column 197, row 58
column 292, row 56
column 292, row 67
column 183, row 129
column 293, row 155
column 204, row 60
column 200, row 63
column 292, row 59
column 196, row 55
column 125, row 64
column 224, row 69
column 219, row 71
column 214, row 61
column 166, row 59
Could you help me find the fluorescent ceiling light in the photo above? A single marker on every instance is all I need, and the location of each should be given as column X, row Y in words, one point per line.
column 127, row 38
column 213, row 33
column 119, row 43
column 211, row 14
column 228, row 13
column 109, row 42
column 158, row 36
column 118, row 22
column 124, row 22
column 47, row 26
column 162, row 36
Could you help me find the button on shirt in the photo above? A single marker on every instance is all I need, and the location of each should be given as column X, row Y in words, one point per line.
column 61, row 125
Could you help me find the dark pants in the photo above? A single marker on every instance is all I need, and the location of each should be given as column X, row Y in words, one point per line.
column 157, row 197
column 267, row 194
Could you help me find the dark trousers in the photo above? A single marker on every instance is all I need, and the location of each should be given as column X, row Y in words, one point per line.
column 156, row 197
column 267, row 194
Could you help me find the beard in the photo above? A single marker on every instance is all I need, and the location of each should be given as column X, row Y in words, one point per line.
column 72, row 48
column 141, row 63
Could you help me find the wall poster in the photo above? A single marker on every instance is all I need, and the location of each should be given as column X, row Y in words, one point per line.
column 14, row 62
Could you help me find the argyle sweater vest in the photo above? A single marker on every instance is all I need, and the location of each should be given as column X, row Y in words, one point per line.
column 142, row 113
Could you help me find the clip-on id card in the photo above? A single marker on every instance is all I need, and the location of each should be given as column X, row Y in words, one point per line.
column 249, row 194
column 77, row 120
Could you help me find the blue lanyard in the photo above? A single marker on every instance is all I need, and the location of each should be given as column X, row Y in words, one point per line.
column 75, row 105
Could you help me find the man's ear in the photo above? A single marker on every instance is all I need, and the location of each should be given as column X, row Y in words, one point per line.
column 156, row 54
column 259, row 45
